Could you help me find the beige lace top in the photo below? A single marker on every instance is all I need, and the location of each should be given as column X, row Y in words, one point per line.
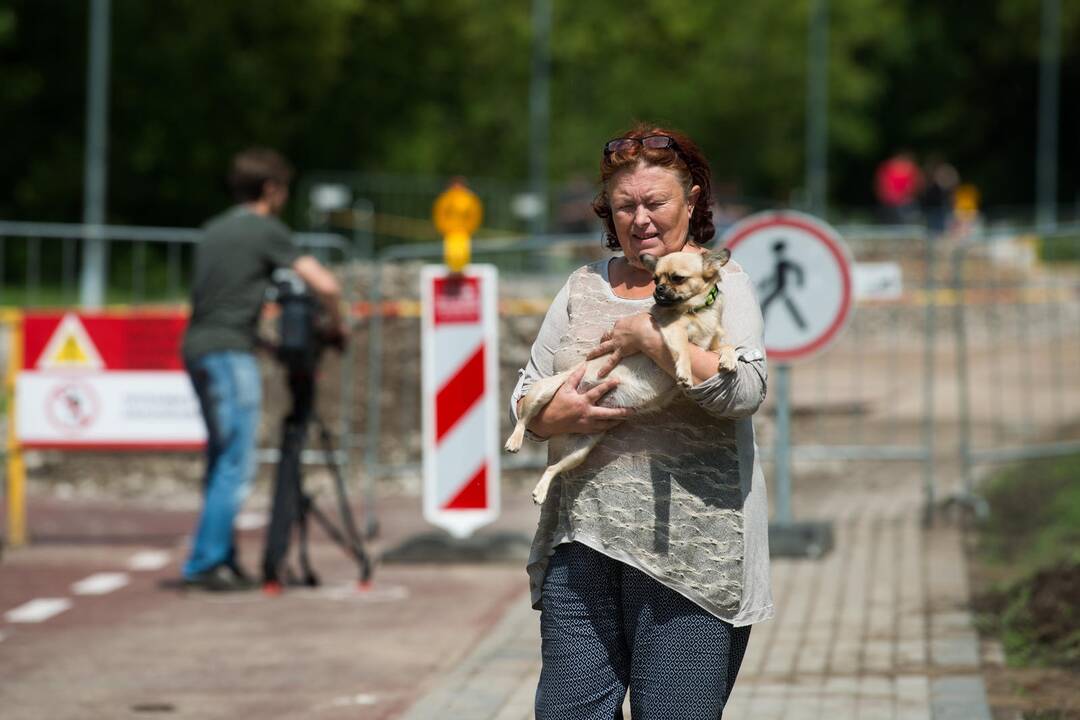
column 677, row 494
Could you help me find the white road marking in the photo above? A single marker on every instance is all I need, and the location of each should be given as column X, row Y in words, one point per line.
column 358, row 699
column 250, row 521
column 149, row 560
column 350, row 701
column 38, row 610
column 100, row 583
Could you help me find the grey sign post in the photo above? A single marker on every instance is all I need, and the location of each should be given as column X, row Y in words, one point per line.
column 803, row 273
column 92, row 281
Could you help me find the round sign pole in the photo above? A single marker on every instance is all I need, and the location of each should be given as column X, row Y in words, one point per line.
column 782, row 452
column 802, row 271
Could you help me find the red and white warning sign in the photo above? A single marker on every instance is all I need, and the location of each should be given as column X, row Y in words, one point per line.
column 459, row 322
column 803, row 273
column 105, row 381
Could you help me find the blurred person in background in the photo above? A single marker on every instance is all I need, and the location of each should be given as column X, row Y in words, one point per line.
column 573, row 212
column 937, row 199
column 239, row 251
column 898, row 182
column 650, row 560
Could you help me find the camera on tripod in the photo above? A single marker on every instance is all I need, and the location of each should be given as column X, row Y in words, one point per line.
column 303, row 325
column 303, row 335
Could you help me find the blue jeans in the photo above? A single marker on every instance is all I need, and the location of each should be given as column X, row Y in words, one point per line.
column 606, row 627
column 230, row 394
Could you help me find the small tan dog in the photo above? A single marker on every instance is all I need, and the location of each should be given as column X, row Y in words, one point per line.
column 688, row 310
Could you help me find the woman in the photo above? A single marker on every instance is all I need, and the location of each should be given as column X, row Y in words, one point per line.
column 650, row 560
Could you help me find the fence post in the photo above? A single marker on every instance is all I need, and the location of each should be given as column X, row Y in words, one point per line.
column 16, row 469
column 929, row 481
column 348, row 368
column 374, row 397
column 963, row 391
column 782, row 445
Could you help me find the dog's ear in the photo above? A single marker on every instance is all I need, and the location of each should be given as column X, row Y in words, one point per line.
column 713, row 261
column 649, row 261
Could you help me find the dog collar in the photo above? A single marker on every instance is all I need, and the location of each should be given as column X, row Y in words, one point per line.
column 709, row 299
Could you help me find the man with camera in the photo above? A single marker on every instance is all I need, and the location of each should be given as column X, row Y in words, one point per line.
column 240, row 250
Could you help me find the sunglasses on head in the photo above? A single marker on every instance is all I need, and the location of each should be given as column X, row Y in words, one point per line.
column 653, row 142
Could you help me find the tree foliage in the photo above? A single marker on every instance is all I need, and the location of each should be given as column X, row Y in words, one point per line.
column 440, row 87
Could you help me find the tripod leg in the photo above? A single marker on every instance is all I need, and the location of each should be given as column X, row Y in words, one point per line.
column 286, row 502
column 354, row 549
column 306, row 506
column 355, row 543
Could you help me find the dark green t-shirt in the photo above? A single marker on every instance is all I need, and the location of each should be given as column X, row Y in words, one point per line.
column 234, row 260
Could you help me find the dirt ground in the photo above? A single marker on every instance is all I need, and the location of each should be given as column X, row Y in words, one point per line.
column 1027, row 693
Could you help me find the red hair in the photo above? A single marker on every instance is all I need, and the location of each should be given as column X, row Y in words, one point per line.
column 685, row 160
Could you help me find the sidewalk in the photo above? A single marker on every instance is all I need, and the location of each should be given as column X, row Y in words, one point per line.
column 879, row 628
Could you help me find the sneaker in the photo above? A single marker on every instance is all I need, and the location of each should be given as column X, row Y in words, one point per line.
column 239, row 573
column 220, row 579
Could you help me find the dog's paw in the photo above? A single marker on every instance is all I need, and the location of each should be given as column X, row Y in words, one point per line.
column 684, row 382
column 540, row 492
column 729, row 359
column 514, row 442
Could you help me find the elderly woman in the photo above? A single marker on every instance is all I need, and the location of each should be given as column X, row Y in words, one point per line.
column 651, row 559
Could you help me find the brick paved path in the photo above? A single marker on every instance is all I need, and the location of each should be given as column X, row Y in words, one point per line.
column 879, row 628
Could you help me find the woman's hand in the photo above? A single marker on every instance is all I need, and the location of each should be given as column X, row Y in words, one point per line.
column 570, row 411
column 629, row 336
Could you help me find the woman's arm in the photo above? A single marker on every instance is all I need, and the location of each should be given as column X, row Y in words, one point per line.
column 728, row 394
column 569, row 411
column 738, row 393
column 542, row 354
column 640, row 333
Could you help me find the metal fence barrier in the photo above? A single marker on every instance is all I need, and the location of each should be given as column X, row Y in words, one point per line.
column 869, row 397
column 1016, row 318
column 969, row 364
column 39, row 261
column 149, row 265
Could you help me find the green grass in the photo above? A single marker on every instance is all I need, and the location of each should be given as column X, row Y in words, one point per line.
column 1059, row 248
column 47, row 296
column 1034, row 513
column 1031, row 542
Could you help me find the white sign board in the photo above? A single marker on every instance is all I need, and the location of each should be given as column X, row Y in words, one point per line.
column 459, row 347
column 106, row 381
column 802, row 272
column 115, row 410
column 878, row 281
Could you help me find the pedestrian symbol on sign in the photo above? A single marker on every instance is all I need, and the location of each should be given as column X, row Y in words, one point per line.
column 774, row 287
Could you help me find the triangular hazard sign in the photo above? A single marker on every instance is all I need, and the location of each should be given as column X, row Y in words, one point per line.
column 70, row 347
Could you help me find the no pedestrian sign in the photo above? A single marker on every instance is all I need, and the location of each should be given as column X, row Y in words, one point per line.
column 803, row 275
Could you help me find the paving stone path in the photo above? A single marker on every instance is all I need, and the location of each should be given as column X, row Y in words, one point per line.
column 880, row 628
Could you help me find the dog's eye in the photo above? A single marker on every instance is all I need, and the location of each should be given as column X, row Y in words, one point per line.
column 676, row 279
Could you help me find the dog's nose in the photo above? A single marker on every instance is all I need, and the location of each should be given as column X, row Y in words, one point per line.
column 662, row 293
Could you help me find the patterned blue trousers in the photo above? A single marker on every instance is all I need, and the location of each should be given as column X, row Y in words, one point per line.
column 607, row 627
